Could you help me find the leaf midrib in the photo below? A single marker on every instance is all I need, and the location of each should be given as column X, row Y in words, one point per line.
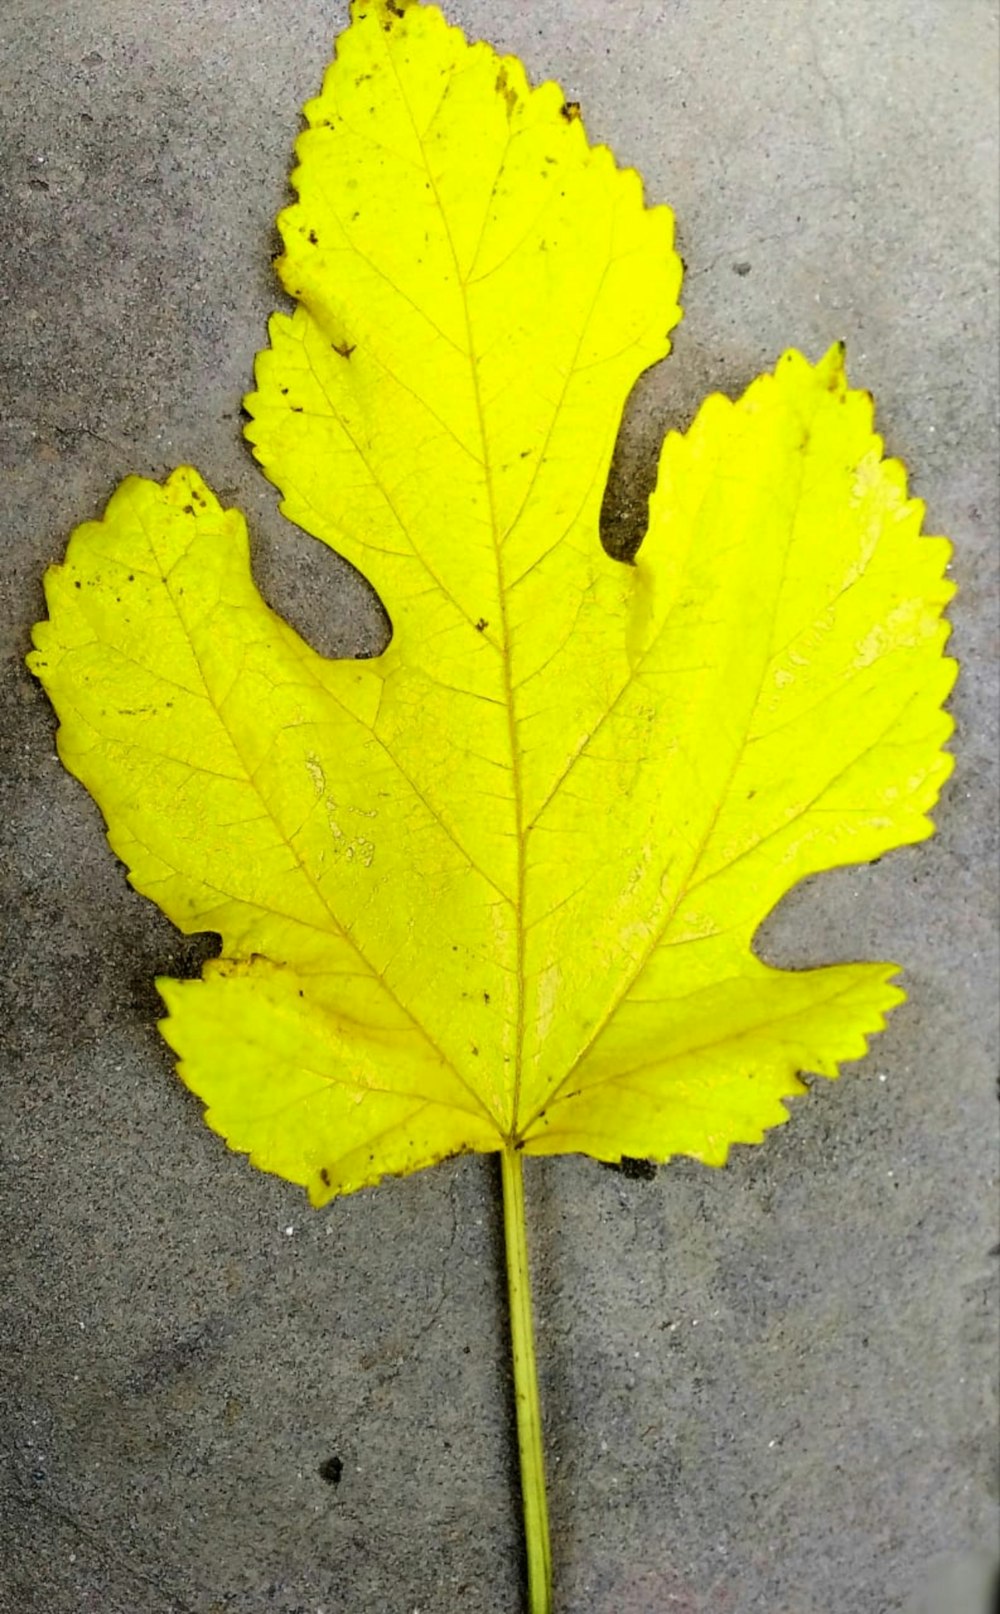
column 504, row 647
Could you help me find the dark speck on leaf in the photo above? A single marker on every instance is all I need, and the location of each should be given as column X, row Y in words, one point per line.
column 189, row 509
column 482, row 625
column 313, row 238
column 78, row 584
column 284, row 392
column 296, row 409
column 325, row 1175
column 332, row 1470
column 570, row 110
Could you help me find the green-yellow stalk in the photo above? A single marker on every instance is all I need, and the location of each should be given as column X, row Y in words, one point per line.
column 529, row 1416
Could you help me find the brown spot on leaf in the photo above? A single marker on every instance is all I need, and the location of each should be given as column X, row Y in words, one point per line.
column 505, row 89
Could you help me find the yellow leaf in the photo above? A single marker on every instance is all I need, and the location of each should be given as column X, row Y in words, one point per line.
column 500, row 884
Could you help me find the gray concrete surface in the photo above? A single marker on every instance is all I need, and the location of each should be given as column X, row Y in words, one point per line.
column 769, row 1389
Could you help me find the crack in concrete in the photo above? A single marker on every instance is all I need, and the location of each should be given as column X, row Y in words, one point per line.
column 100, row 1544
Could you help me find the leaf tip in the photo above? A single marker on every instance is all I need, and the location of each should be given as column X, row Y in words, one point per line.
column 831, row 371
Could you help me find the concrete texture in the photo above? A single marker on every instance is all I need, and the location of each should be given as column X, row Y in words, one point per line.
column 768, row 1389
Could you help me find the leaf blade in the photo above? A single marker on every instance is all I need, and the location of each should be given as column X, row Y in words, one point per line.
column 235, row 826
column 723, row 864
column 522, row 855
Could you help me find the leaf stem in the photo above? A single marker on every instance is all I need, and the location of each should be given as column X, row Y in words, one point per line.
column 529, row 1416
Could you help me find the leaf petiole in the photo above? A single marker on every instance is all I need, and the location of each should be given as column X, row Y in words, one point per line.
column 529, row 1416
